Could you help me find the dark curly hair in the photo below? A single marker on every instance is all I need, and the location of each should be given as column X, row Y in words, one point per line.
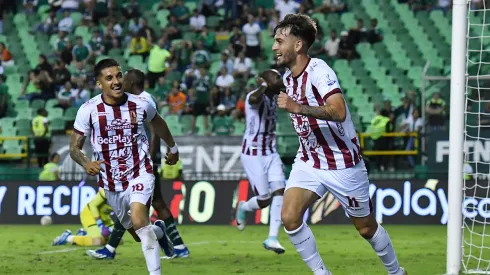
column 301, row 26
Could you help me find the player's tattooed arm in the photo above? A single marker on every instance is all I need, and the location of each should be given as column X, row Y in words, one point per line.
column 76, row 145
column 325, row 112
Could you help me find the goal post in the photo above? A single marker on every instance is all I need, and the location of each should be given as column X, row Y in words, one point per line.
column 456, row 137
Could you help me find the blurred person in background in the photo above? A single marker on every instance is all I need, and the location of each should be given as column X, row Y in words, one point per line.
column 65, row 95
column 80, row 75
column 201, row 98
column 60, row 74
column 3, row 97
column 176, row 102
column 380, row 125
column 242, row 67
column 222, row 123
column 191, row 74
column 30, row 6
column 42, row 140
column 197, row 21
column 5, row 55
column 70, row 5
column 140, row 46
column 157, row 62
column 208, row 38
column 228, row 100
column 332, row 45
column 96, row 43
column 51, row 169
column 181, row 12
column 436, row 112
column 172, row 30
column 225, row 80
column 226, row 61
column 413, row 124
column 161, row 90
column 82, row 51
column 253, row 40
column 238, row 113
column 201, row 56
column 49, row 26
column 285, row 7
column 346, row 47
column 146, row 31
column 66, row 24
column 374, row 34
column 131, row 9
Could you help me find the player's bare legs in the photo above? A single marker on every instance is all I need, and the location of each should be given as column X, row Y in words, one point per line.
column 296, row 202
column 379, row 239
column 149, row 243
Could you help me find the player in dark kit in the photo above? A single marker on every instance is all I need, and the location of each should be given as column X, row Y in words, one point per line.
column 133, row 83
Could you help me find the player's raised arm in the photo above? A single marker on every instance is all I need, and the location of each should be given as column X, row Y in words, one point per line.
column 256, row 97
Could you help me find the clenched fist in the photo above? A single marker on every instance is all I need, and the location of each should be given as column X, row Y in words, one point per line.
column 93, row 168
column 287, row 103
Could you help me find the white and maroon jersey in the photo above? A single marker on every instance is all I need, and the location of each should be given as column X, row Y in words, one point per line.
column 118, row 138
column 260, row 132
column 323, row 144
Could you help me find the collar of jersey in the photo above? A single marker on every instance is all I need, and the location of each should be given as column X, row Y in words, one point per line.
column 120, row 104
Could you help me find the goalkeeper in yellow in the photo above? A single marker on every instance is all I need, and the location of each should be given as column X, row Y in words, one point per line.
column 96, row 221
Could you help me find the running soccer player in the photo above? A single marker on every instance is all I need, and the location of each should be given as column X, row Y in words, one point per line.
column 115, row 121
column 259, row 156
column 96, row 224
column 329, row 156
column 133, row 82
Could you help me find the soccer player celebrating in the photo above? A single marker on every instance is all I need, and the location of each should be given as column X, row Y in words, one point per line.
column 329, row 157
column 133, row 82
column 115, row 120
column 96, row 221
column 259, row 156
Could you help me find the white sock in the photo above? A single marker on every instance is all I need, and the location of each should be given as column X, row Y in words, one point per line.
column 70, row 239
column 381, row 244
column 275, row 219
column 110, row 248
column 150, row 248
column 305, row 243
column 158, row 231
column 251, row 205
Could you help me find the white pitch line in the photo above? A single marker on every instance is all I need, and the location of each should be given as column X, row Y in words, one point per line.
column 58, row 251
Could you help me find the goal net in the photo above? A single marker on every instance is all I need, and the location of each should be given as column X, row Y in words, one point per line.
column 476, row 184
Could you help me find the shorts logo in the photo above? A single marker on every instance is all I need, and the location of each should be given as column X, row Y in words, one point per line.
column 118, row 124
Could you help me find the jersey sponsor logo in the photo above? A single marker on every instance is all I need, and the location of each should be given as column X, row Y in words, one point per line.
column 119, row 124
column 103, row 113
column 120, row 171
column 340, row 128
column 330, row 81
column 303, row 130
column 118, row 138
column 123, row 153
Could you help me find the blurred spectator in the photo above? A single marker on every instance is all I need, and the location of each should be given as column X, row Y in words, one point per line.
column 374, row 34
column 380, row 125
column 387, row 106
column 176, row 102
column 208, row 38
column 262, row 17
column 6, row 56
column 405, row 110
column 161, row 90
column 81, row 51
column 70, row 5
column 66, row 24
column 31, row 87
column 227, row 62
column 316, row 48
column 60, row 74
column 3, row 97
column 229, row 100
column 183, row 55
column 443, row 5
column 134, row 25
column 65, row 95
column 239, row 112
column 66, row 53
column 201, row 57
column 44, row 65
column 273, row 22
column 191, row 74
column 332, row 45
column 417, row 5
column 319, row 30
column 346, row 48
column 42, row 141
column 222, row 124
column 100, row 10
column 181, row 12
column 131, row 9
column 197, row 21
column 80, row 95
column 49, row 26
column 413, row 123
column 201, row 98
column 60, row 42
column 485, row 115
column 243, row 66
column 208, row 7
column 173, row 28
column 237, row 42
column 146, row 31
column 140, row 46
column 332, row 6
column 50, row 170
column 96, row 44
column 358, row 33
column 253, row 41
column 285, row 7
column 225, row 80
column 80, row 75
column 435, row 109
column 157, row 62
column 30, row 6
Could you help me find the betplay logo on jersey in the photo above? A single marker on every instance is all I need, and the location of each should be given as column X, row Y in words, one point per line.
column 117, row 139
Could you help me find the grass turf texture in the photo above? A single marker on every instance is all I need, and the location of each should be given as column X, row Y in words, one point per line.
column 224, row 250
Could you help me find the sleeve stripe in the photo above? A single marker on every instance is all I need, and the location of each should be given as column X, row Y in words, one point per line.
column 332, row 92
column 78, row 132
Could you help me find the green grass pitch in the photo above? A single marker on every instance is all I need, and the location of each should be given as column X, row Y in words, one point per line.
column 224, row 250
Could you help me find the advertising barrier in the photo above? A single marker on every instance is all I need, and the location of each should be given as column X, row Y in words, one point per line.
column 198, row 154
column 214, row 202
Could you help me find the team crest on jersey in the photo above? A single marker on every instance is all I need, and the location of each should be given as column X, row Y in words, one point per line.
column 134, row 117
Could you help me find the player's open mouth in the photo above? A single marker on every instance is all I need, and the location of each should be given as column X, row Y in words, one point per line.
column 117, row 89
column 278, row 56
